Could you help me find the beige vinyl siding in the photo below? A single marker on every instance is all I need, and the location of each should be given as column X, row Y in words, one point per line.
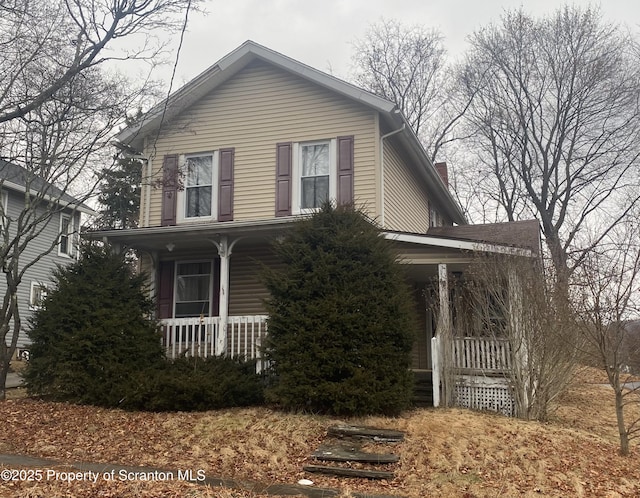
column 406, row 206
column 246, row 292
column 254, row 110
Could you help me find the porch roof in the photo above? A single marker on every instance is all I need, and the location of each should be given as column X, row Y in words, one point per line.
column 192, row 236
column 441, row 245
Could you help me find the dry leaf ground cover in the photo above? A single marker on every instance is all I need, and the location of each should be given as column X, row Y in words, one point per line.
column 446, row 452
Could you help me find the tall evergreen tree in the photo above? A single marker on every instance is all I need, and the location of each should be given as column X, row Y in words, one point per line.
column 341, row 323
column 120, row 195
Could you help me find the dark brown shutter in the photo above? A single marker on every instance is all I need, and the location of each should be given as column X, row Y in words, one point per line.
column 283, row 179
column 165, row 289
column 169, row 190
column 225, row 187
column 345, row 170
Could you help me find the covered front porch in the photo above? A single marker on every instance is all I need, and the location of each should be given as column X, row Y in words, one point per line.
column 210, row 298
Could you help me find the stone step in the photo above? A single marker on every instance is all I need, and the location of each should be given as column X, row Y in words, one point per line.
column 346, row 472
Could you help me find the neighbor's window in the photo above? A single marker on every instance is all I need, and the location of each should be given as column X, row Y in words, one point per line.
column 193, row 289
column 3, row 209
column 198, row 186
column 38, row 294
column 65, row 246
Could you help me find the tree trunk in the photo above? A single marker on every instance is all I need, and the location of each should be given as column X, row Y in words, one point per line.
column 622, row 430
column 4, row 369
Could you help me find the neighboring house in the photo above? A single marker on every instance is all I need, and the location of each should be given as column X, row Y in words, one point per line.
column 56, row 240
column 244, row 149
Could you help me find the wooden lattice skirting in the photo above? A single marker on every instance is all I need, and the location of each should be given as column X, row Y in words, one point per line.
column 484, row 393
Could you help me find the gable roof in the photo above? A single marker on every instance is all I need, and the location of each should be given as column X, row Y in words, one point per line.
column 133, row 136
column 15, row 177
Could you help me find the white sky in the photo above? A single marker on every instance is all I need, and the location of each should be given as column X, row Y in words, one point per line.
column 320, row 32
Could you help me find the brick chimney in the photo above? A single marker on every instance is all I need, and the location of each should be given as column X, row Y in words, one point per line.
column 443, row 172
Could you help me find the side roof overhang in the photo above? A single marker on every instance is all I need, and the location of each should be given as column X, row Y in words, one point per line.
column 134, row 135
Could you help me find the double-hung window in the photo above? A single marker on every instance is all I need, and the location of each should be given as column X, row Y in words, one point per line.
column 65, row 244
column 193, row 288
column 199, row 186
column 315, row 175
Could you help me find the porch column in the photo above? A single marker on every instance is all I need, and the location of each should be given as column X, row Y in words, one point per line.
column 225, row 249
column 442, row 351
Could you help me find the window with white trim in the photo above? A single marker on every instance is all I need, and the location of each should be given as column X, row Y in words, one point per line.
column 193, row 289
column 435, row 220
column 3, row 212
column 314, row 167
column 37, row 295
column 65, row 243
column 197, row 200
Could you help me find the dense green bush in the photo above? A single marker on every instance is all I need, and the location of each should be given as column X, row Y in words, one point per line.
column 194, row 384
column 341, row 318
column 92, row 336
column 93, row 343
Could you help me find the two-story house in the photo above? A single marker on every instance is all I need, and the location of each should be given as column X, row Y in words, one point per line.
column 248, row 146
column 47, row 221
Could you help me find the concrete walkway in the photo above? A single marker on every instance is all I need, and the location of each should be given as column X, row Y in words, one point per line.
column 91, row 471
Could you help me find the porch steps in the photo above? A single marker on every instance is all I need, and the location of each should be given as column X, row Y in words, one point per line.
column 423, row 388
column 344, row 448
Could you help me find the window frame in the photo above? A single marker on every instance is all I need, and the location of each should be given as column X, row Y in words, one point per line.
column 71, row 246
column 182, row 193
column 35, row 285
column 296, row 191
column 4, row 201
column 175, row 285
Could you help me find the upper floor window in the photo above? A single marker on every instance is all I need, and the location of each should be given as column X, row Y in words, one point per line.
column 197, row 199
column 3, row 209
column 65, row 243
column 315, row 175
column 435, row 220
column 198, row 186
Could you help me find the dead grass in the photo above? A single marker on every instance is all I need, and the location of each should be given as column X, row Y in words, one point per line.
column 452, row 452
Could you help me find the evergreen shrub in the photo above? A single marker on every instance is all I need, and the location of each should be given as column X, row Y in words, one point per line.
column 197, row 384
column 341, row 318
column 92, row 335
column 93, row 343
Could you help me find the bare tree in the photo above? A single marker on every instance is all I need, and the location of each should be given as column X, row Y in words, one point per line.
column 508, row 300
column 59, row 106
column 555, row 121
column 606, row 299
column 407, row 65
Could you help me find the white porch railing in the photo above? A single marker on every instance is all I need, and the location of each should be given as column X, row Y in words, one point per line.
column 480, row 367
column 198, row 336
column 482, row 354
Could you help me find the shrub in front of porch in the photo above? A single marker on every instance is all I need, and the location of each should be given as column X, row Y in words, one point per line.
column 197, row 384
column 341, row 318
column 92, row 336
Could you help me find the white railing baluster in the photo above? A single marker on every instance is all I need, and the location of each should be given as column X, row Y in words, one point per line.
column 198, row 336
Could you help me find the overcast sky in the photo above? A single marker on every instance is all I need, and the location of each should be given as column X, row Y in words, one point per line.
column 320, row 32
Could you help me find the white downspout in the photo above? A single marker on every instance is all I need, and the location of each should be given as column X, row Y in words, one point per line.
column 382, row 138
